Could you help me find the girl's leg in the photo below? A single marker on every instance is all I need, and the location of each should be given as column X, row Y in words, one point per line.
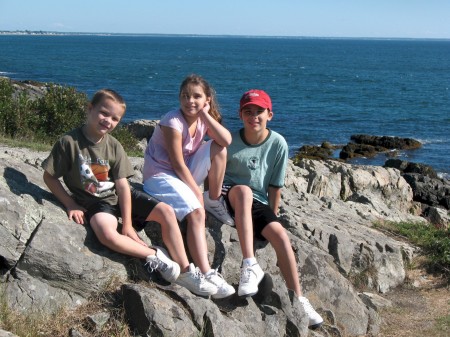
column 241, row 200
column 104, row 226
column 216, row 173
column 171, row 234
column 196, row 239
column 275, row 233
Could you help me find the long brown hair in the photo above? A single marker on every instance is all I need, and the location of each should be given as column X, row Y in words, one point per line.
column 194, row 79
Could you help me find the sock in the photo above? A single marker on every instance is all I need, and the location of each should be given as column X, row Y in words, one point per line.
column 249, row 262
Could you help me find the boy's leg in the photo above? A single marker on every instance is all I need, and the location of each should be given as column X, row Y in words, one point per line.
column 275, row 233
column 104, row 226
column 240, row 198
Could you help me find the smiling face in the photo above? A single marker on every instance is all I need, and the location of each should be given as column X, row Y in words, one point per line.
column 103, row 117
column 255, row 118
column 192, row 100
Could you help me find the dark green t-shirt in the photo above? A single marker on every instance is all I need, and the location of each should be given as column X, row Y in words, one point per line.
column 89, row 170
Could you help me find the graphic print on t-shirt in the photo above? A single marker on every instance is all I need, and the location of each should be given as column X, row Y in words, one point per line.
column 253, row 163
column 94, row 176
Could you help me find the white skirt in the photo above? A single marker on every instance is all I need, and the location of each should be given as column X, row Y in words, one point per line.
column 173, row 191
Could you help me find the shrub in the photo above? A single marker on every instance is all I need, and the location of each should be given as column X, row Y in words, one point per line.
column 46, row 117
column 58, row 111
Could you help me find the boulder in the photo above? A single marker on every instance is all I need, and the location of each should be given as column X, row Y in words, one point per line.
column 328, row 209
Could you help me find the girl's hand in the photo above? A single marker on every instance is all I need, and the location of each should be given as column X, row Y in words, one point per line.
column 206, row 108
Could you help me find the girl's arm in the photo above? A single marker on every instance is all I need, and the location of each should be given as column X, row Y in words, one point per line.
column 74, row 211
column 274, row 198
column 173, row 141
column 124, row 194
column 216, row 131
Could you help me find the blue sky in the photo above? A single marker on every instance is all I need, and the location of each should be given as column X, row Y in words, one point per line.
column 319, row 18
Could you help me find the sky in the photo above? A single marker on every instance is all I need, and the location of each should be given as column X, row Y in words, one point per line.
column 312, row 18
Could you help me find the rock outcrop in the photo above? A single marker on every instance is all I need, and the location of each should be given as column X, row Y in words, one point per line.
column 328, row 208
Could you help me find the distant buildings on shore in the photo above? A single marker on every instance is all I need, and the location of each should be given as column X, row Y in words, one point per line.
column 28, row 32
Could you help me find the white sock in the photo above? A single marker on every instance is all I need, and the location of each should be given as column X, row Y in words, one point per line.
column 249, row 262
column 209, row 272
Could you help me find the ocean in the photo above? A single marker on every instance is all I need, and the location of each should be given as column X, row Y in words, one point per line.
column 322, row 89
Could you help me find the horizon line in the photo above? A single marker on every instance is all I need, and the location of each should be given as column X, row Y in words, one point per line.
column 54, row 33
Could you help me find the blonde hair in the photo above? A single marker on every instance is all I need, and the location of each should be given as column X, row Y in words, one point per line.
column 108, row 93
column 194, row 79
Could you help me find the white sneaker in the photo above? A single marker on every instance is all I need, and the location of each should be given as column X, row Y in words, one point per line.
column 168, row 269
column 218, row 208
column 195, row 282
column 315, row 320
column 223, row 288
column 251, row 276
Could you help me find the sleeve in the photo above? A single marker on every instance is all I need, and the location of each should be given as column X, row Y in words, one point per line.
column 280, row 164
column 172, row 120
column 58, row 161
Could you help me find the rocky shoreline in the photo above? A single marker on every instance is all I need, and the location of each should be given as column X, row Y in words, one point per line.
column 348, row 268
column 328, row 208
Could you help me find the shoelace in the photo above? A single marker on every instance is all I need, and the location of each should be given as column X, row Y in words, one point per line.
column 155, row 264
column 198, row 274
column 246, row 274
column 216, row 273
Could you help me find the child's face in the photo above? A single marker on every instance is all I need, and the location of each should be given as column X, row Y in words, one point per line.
column 104, row 116
column 193, row 99
column 254, row 117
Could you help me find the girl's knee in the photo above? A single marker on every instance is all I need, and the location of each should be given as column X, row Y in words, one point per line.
column 218, row 150
column 196, row 218
column 162, row 212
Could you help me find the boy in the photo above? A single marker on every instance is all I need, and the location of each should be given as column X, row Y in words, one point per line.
column 255, row 172
column 95, row 168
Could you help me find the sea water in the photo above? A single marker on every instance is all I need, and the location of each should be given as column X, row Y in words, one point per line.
column 322, row 89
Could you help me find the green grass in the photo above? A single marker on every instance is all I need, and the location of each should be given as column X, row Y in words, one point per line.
column 434, row 242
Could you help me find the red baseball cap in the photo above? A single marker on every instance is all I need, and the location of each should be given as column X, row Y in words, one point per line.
column 257, row 97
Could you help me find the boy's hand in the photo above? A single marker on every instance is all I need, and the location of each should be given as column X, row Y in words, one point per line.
column 131, row 233
column 77, row 214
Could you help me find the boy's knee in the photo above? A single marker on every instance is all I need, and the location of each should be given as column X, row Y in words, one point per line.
column 241, row 192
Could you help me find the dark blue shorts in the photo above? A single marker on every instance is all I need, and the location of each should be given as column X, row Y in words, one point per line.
column 141, row 206
column 262, row 214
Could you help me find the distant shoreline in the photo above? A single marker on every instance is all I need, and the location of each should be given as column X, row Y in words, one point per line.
column 55, row 33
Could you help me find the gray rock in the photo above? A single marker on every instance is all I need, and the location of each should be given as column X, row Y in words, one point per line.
column 328, row 209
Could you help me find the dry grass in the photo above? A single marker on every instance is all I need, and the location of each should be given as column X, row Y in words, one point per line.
column 420, row 307
column 60, row 323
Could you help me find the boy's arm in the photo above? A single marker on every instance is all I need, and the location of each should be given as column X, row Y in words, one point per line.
column 274, row 198
column 74, row 211
column 124, row 194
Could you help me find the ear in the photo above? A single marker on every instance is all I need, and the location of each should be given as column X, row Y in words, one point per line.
column 270, row 115
column 240, row 114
